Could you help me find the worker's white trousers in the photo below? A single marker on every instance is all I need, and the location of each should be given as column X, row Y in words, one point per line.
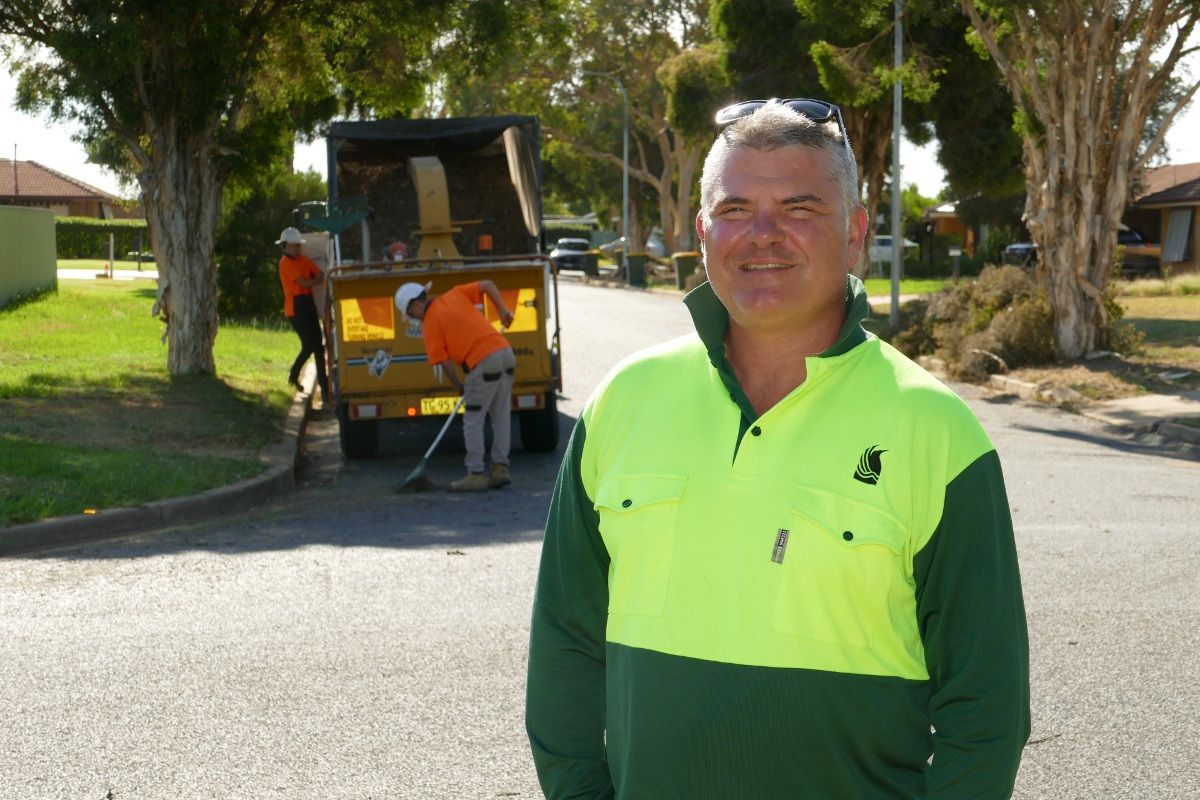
column 487, row 391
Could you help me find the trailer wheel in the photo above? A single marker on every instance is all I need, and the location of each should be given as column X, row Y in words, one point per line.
column 539, row 429
column 359, row 438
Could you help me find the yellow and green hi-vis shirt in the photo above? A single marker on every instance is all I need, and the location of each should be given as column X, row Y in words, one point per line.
column 820, row 602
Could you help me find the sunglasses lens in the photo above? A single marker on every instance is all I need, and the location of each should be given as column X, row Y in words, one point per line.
column 813, row 109
column 738, row 110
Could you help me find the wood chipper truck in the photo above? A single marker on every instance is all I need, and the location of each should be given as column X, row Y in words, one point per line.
column 441, row 201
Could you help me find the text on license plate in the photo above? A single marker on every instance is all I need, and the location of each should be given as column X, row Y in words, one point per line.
column 438, row 405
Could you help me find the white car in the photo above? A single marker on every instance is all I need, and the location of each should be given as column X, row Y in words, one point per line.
column 881, row 248
column 570, row 253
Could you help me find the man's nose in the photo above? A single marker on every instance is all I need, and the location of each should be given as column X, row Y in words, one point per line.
column 765, row 228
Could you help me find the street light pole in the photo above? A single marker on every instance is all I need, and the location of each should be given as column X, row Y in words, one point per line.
column 624, row 164
column 897, row 191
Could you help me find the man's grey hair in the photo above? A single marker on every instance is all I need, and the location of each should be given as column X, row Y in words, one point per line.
column 774, row 126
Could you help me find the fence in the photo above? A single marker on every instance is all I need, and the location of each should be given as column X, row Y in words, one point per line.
column 27, row 252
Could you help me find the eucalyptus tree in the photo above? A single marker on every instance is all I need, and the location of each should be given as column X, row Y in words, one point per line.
column 650, row 47
column 1086, row 77
column 835, row 50
column 180, row 96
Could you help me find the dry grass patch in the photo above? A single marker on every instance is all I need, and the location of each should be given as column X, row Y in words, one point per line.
column 1171, row 325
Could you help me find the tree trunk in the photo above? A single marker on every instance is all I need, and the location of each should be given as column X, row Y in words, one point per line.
column 870, row 132
column 1084, row 77
column 675, row 195
column 181, row 191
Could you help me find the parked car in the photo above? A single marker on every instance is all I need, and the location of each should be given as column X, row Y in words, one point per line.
column 881, row 248
column 570, row 253
column 1138, row 257
column 1021, row 254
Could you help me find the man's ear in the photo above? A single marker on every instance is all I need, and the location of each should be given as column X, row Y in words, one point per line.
column 700, row 226
column 856, row 231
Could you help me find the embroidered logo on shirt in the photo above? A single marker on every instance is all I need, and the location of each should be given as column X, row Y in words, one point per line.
column 870, row 465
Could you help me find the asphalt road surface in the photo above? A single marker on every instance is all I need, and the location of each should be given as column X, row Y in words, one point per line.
column 350, row 642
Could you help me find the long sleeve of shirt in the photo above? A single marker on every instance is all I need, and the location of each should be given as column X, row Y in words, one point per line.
column 972, row 622
column 565, row 696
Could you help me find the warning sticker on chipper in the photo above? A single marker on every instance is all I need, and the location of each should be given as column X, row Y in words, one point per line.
column 366, row 319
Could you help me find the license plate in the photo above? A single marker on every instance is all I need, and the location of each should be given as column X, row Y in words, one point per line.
column 438, row 405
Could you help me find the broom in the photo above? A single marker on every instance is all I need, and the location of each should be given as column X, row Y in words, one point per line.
column 417, row 480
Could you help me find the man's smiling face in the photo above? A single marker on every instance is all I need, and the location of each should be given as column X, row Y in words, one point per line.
column 776, row 240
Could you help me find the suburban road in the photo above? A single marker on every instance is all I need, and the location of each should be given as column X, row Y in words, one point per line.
column 349, row 642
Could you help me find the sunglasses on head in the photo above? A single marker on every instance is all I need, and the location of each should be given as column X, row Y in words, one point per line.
column 815, row 110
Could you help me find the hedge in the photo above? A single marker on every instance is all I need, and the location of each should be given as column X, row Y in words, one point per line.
column 556, row 231
column 85, row 237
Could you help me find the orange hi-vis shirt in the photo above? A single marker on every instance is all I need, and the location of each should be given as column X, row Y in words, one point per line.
column 290, row 270
column 454, row 328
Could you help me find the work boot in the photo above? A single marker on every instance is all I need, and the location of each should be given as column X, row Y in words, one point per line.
column 499, row 476
column 474, row 482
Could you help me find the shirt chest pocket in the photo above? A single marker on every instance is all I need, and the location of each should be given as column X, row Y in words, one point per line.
column 844, row 571
column 638, row 517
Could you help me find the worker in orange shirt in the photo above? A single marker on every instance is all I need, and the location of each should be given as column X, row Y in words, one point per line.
column 299, row 275
column 455, row 332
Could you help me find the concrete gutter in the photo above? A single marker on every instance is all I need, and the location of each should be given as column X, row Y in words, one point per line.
column 278, row 477
column 1154, row 413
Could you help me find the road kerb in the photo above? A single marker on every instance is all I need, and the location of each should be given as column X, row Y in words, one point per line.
column 278, row 477
column 1074, row 402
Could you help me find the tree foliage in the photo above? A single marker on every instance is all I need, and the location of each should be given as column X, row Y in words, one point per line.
column 835, row 50
column 1085, row 78
column 568, row 75
column 254, row 210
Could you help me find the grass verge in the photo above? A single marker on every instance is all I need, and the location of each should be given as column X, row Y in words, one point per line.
column 882, row 287
column 91, row 419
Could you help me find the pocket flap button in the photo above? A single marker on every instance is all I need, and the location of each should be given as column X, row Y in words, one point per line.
column 626, row 503
column 847, row 535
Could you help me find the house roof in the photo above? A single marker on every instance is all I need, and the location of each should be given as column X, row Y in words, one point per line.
column 1174, row 184
column 945, row 210
column 33, row 180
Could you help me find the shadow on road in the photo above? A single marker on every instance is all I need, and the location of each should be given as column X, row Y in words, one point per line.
column 1146, row 444
column 341, row 503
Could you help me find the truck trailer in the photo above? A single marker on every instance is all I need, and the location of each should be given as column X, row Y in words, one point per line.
column 443, row 202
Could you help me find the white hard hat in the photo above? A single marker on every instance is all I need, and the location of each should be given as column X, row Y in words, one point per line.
column 409, row 292
column 290, row 236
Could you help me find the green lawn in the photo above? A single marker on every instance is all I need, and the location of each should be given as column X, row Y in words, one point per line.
column 91, row 419
column 1171, row 325
column 882, row 287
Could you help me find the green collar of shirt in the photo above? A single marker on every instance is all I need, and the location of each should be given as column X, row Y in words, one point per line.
column 712, row 323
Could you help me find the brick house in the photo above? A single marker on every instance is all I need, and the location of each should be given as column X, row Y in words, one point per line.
column 32, row 185
column 1164, row 210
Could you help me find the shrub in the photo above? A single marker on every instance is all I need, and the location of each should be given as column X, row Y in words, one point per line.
column 997, row 322
column 563, row 230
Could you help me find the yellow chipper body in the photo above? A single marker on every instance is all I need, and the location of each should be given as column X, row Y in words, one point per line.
column 411, row 177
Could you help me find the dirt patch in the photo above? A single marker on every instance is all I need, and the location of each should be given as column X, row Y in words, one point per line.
column 1114, row 378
